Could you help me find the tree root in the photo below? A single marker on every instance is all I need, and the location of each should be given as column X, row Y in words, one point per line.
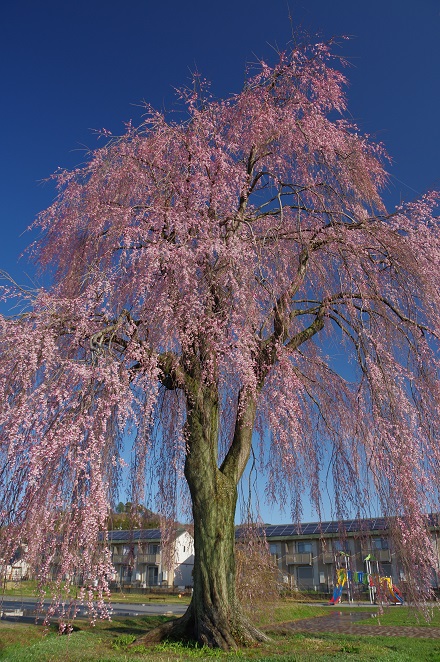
column 222, row 634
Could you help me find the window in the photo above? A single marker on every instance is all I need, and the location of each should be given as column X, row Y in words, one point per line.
column 340, row 545
column 125, row 573
column 379, row 543
column 386, row 569
column 304, row 547
column 16, row 574
column 153, row 575
column 154, row 548
column 304, row 575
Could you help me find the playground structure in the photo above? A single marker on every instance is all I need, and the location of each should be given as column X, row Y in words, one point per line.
column 380, row 588
column 344, row 577
column 387, row 588
column 342, row 580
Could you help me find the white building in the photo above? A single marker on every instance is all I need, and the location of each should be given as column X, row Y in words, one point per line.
column 16, row 568
column 139, row 559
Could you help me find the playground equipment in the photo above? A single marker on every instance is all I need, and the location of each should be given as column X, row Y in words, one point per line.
column 343, row 579
column 387, row 584
column 379, row 586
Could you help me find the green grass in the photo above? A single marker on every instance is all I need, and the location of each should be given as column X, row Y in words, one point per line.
column 288, row 611
column 323, row 647
column 24, row 589
column 146, row 598
column 405, row 617
column 112, row 641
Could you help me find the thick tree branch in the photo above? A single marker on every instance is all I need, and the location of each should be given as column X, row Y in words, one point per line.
column 238, row 454
column 307, row 333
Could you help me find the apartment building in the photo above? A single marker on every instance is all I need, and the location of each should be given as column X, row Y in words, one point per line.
column 309, row 555
column 139, row 560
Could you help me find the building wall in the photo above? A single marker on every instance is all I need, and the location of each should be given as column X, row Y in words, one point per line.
column 184, row 560
column 141, row 563
column 311, row 563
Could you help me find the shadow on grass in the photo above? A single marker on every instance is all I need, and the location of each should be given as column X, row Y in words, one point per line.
column 134, row 626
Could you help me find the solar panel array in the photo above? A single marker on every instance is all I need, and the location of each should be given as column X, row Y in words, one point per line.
column 136, row 534
column 283, row 530
column 320, row 528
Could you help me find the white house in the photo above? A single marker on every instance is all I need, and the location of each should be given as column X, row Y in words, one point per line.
column 15, row 568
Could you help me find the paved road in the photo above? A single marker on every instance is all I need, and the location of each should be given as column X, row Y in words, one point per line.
column 18, row 608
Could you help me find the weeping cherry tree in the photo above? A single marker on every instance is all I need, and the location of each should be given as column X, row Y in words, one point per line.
column 203, row 273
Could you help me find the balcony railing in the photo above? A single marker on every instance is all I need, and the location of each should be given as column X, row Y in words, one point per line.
column 299, row 559
column 381, row 555
column 328, row 557
column 150, row 559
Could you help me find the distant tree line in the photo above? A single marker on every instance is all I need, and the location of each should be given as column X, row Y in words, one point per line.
column 125, row 517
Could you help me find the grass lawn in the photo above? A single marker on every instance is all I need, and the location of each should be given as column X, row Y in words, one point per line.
column 405, row 616
column 109, row 642
column 145, row 598
column 26, row 589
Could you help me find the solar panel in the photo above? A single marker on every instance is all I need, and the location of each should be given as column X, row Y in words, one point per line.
column 276, row 531
column 332, row 527
column 281, row 530
column 136, row 534
column 116, row 535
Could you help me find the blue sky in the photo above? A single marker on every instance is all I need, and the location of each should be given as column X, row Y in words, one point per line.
column 69, row 67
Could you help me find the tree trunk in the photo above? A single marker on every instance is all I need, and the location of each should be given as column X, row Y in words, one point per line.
column 215, row 612
column 214, row 616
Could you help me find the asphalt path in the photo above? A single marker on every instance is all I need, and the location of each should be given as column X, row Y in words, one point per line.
column 25, row 608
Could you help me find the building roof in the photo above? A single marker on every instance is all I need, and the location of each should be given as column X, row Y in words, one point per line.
column 136, row 535
column 333, row 528
column 273, row 531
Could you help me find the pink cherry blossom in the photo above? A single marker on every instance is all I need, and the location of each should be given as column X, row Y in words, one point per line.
column 204, row 273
